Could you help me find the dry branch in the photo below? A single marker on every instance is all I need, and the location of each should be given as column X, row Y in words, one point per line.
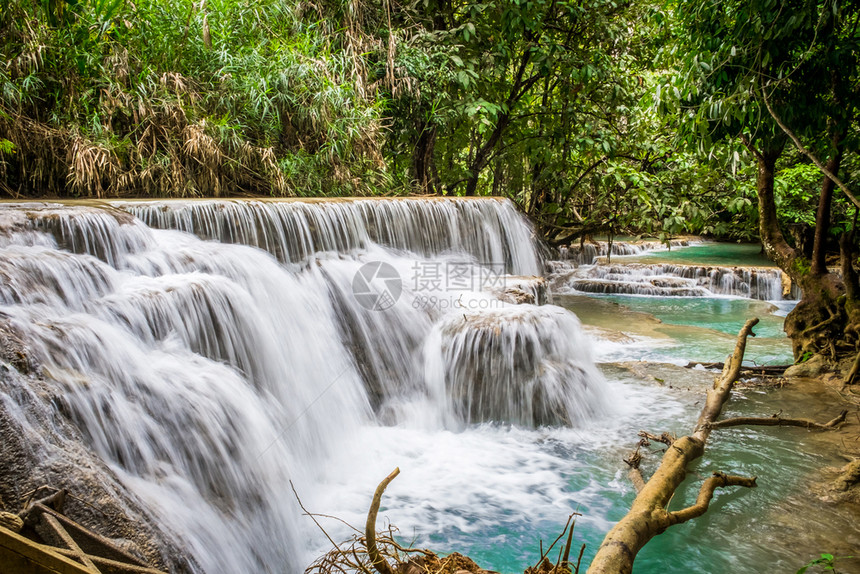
column 635, row 476
column 776, row 421
column 771, row 370
column 665, row 437
column 649, row 515
column 379, row 563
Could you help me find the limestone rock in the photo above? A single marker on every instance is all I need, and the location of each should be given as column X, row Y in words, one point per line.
column 849, row 478
column 814, row 367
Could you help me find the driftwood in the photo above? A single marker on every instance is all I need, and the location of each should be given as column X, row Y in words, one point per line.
column 777, row 421
column 649, row 514
column 379, row 563
column 763, row 370
column 62, row 545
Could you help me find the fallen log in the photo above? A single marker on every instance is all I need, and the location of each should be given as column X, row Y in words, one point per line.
column 776, row 421
column 649, row 514
column 764, row 370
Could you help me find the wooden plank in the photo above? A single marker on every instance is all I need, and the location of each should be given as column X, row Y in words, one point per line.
column 90, row 542
column 18, row 555
column 70, row 543
column 108, row 566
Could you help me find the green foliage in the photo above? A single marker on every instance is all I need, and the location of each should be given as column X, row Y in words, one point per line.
column 595, row 118
column 726, row 61
column 826, row 562
column 515, row 97
column 797, row 188
column 175, row 97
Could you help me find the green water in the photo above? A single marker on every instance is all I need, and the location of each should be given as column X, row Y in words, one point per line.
column 681, row 329
column 777, row 527
column 721, row 254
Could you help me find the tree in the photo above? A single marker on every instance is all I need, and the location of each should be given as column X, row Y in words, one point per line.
column 507, row 96
column 751, row 72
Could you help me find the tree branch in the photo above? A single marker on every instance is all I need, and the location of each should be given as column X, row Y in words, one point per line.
column 706, row 493
column 379, row 563
column 776, row 421
column 648, row 516
column 802, row 149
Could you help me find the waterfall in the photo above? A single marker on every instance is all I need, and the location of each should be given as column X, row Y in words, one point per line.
column 507, row 364
column 589, row 252
column 667, row 280
column 491, row 231
column 209, row 352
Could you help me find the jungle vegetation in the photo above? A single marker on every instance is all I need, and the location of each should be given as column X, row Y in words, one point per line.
column 594, row 116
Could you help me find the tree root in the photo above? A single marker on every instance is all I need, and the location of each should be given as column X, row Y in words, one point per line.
column 855, row 369
column 819, row 326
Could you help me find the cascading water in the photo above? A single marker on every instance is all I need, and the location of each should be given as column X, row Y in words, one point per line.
column 588, row 253
column 490, row 231
column 667, row 280
column 515, row 366
column 207, row 375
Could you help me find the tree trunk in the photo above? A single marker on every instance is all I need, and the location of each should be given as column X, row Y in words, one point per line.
column 818, row 319
column 775, row 246
column 846, row 257
column 483, row 154
column 422, row 160
column 822, row 216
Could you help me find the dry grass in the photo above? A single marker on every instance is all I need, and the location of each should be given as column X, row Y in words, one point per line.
column 270, row 98
column 92, row 168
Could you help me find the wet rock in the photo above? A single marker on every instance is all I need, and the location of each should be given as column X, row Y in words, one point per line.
column 608, row 334
column 43, row 448
column 13, row 350
column 786, row 286
column 849, row 477
column 815, row 366
column 520, row 290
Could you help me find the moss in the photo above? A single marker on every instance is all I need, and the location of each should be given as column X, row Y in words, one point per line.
column 801, row 266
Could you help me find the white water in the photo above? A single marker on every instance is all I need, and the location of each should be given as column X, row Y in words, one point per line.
column 208, row 375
